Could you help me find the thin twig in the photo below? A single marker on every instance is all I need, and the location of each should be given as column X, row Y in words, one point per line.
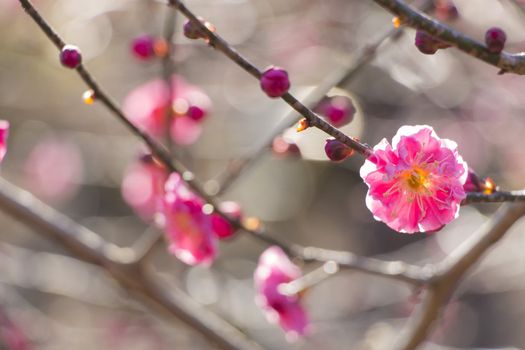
column 168, row 69
column 144, row 247
column 233, row 171
column 397, row 270
column 310, row 279
column 346, row 259
column 496, row 197
column 223, row 182
column 453, row 268
column 507, row 62
column 121, row 265
column 313, row 119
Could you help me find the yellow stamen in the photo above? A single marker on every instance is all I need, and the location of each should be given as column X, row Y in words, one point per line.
column 417, row 179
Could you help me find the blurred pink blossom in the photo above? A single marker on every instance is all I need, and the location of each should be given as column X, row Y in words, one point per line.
column 146, row 106
column 188, row 229
column 54, row 169
column 12, row 336
column 274, row 269
column 143, row 187
column 4, row 132
column 415, row 185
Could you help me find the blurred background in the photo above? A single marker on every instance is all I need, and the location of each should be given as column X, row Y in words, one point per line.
column 74, row 157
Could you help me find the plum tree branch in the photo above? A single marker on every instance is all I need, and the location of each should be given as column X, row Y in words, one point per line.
column 121, row 264
column 507, row 62
column 449, row 272
column 498, row 196
column 313, row 119
column 345, row 259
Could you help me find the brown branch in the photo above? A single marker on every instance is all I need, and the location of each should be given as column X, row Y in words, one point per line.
column 223, row 182
column 168, row 68
column 507, row 62
column 397, row 270
column 341, row 79
column 496, row 197
column 313, row 119
column 345, row 259
column 453, row 268
column 121, row 264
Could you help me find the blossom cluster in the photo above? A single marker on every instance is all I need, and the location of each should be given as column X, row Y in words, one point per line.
column 163, row 198
column 161, row 109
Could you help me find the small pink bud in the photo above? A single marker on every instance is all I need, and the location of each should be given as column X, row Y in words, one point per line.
column 143, row 47
column 70, row 56
column 196, row 113
column 282, row 147
column 222, row 226
column 275, row 82
column 446, row 11
column 495, row 39
column 338, row 110
column 337, row 151
column 428, row 44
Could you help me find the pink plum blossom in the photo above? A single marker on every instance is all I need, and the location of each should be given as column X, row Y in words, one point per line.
column 4, row 132
column 54, row 169
column 415, row 184
column 147, row 105
column 188, row 229
column 143, row 187
column 274, row 269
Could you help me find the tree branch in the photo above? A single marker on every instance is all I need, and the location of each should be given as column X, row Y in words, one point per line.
column 507, row 62
column 121, row 264
column 453, row 268
column 496, row 197
column 345, row 259
column 313, row 119
column 223, row 182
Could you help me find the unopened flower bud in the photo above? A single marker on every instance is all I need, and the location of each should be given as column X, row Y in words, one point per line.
column 275, row 82
column 495, row 39
column 428, row 44
column 337, row 151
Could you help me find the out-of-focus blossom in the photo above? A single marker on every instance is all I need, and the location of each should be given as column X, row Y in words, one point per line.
column 415, row 184
column 188, row 229
column 147, row 107
column 221, row 226
column 445, row 10
column 54, row 170
column 4, row 132
column 283, row 147
column 185, row 131
column 275, row 268
column 142, row 47
column 12, row 336
column 143, row 187
column 338, row 110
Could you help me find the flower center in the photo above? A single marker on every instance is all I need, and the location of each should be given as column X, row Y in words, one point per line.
column 186, row 224
column 416, row 179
